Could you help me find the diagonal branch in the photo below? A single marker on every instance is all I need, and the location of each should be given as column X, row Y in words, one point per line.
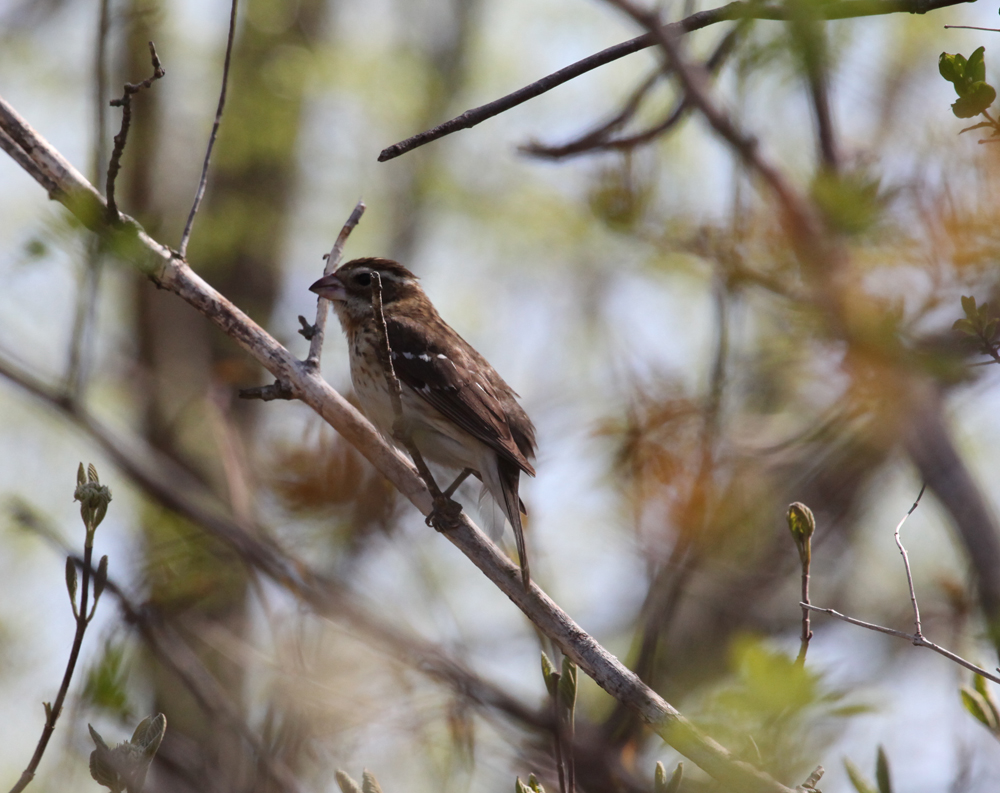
column 607, row 671
column 742, row 9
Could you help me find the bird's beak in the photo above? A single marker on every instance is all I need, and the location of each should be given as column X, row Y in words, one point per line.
column 330, row 287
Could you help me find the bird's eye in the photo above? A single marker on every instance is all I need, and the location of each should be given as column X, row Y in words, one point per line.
column 363, row 279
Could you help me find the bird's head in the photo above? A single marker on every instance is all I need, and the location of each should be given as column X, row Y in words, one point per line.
column 350, row 288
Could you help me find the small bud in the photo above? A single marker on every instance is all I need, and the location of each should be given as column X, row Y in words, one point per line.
column 101, row 578
column 71, row 580
column 347, row 785
column 368, row 783
column 94, row 499
column 567, row 687
column 801, row 522
column 520, row 787
column 534, row 784
column 549, row 674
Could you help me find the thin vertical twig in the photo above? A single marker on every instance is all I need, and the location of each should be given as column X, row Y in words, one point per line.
column 806, row 627
column 125, row 103
column 316, row 332
column 200, row 193
column 53, row 710
column 906, row 563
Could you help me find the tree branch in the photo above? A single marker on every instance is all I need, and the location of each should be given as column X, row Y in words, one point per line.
column 175, row 275
column 742, row 9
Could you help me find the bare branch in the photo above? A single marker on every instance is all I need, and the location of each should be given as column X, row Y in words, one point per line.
column 125, row 103
column 607, row 671
column 742, row 9
column 906, row 562
column 917, row 641
column 600, row 139
column 200, row 193
column 317, row 331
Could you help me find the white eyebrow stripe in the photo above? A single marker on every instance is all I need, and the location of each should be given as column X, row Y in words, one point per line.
column 408, row 355
column 442, row 356
column 424, row 357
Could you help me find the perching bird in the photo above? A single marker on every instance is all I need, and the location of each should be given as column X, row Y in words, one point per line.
column 460, row 412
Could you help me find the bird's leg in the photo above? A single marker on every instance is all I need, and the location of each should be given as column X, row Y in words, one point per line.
column 466, row 473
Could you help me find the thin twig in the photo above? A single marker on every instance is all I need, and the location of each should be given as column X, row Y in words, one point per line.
column 600, row 138
column 53, row 710
column 125, row 103
column 806, row 627
column 400, row 428
column 748, row 9
column 906, row 561
column 316, row 331
column 917, row 641
column 200, row 193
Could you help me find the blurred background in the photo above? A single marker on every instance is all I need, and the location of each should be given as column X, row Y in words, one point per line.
column 643, row 299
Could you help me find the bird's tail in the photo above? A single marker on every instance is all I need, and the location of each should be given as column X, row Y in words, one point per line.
column 501, row 490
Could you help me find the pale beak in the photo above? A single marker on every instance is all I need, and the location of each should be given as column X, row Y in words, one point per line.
column 330, row 287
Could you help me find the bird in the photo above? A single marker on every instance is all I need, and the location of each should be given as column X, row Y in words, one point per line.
column 460, row 412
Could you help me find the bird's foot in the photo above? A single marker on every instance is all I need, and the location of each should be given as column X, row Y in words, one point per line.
column 445, row 513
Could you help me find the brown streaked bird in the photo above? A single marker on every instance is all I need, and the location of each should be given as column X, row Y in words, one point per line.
column 460, row 412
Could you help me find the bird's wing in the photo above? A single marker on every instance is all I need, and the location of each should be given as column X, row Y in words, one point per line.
column 443, row 374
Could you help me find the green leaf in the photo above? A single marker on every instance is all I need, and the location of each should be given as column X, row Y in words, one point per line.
column 976, row 705
column 966, row 327
column 882, row 772
column 149, row 734
column 952, row 68
column 857, row 779
column 982, row 688
column 975, row 68
column 990, row 331
column 969, row 305
column 977, row 98
column 519, row 786
column 567, row 687
column 106, row 682
column 534, row 784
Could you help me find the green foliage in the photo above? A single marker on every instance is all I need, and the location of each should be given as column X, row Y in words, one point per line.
column 852, row 203
column 979, row 701
column 765, row 714
column 968, row 76
column 979, row 326
column 105, row 687
column 882, row 775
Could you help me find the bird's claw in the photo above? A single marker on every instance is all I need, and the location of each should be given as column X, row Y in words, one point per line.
column 444, row 514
